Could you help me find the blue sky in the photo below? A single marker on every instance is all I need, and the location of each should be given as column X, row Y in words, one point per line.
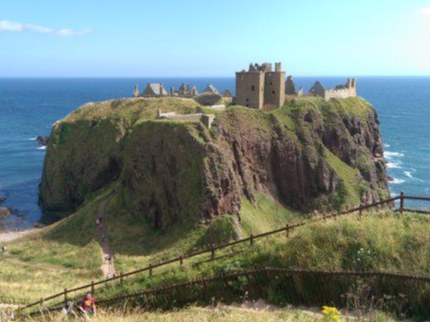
column 141, row 38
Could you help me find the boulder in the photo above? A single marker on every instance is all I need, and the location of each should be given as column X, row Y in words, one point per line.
column 4, row 212
column 42, row 140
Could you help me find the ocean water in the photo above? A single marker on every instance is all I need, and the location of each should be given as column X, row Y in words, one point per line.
column 28, row 107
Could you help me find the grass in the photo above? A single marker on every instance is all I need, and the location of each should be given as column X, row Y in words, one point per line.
column 379, row 241
column 218, row 314
column 61, row 255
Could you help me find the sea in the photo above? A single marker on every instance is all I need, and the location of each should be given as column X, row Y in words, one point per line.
column 29, row 107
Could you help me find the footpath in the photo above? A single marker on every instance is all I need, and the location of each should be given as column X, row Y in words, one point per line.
column 108, row 264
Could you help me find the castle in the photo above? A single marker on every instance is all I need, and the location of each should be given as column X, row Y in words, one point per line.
column 260, row 86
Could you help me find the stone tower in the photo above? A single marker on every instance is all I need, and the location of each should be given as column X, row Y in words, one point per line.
column 136, row 91
column 260, row 86
column 274, row 91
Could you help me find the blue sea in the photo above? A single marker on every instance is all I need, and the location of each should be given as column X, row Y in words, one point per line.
column 28, row 108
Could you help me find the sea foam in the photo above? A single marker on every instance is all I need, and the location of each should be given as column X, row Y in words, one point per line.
column 397, row 181
column 390, row 155
column 394, row 165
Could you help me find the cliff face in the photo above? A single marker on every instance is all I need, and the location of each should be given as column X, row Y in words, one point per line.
column 309, row 154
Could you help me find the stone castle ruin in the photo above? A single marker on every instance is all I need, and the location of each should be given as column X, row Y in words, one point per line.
column 260, row 86
column 185, row 90
column 340, row 91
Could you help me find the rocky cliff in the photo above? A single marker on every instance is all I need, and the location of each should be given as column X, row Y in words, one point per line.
column 309, row 154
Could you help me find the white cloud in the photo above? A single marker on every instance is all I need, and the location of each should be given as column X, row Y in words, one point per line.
column 426, row 11
column 6, row 25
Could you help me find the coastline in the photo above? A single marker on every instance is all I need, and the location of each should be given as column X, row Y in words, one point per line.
column 8, row 236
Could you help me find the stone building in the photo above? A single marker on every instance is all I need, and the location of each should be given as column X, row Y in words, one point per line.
column 226, row 93
column 290, row 88
column 340, row 91
column 260, row 86
column 154, row 90
column 185, row 90
column 210, row 89
column 136, row 91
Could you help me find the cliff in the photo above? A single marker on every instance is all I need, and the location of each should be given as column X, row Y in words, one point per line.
column 308, row 155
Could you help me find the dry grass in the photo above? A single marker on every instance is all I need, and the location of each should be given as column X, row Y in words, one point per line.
column 221, row 314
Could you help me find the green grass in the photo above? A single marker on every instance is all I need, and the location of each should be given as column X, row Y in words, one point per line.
column 60, row 256
column 379, row 241
column 219, row 314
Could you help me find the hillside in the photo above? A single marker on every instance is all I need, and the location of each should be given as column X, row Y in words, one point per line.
column 307, row 155
column 180, row 187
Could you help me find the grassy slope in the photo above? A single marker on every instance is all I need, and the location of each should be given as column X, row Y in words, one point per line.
column 222, row 314
column 379, row 241
column 59, row 256
column 70, row 245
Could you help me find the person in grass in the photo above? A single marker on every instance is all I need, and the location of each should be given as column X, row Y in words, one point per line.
column 88, row 306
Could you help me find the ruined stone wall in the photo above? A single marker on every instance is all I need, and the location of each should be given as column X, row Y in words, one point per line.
column 250, row 89
column 274, row 89
column 340, row 93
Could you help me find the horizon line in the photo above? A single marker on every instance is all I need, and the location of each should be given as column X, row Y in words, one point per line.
column 203, row 77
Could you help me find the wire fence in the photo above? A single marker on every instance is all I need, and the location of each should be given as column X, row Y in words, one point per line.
column 68, row 294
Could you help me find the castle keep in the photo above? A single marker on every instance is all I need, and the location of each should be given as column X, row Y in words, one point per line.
column 260, row 86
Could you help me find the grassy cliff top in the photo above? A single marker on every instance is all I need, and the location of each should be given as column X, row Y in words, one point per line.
column 133, row 110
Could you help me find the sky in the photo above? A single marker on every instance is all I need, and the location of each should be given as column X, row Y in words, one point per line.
column 202, row 38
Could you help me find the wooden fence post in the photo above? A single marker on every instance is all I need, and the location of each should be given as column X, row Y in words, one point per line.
column 150, row 270
column 93, row 289
column 213, row 252
column 251, row 239
column 360, row 212
column 287, row 227
column 402, row 202
column 181, row 260
column 65, row 297
column 121, row 279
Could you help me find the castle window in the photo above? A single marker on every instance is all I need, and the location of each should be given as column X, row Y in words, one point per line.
column 273, row 92
column 247, row 99
column 253, row 88
column 271, row 83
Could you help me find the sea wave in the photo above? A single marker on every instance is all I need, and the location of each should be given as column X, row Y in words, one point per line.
column 409, row 175
column 386, row 145
column 390, row 155
column 394, row 165
column 397, row 181
column 41, row 148
column 32, row 139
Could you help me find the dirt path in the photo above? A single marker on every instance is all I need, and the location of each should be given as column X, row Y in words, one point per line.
column 108, row 264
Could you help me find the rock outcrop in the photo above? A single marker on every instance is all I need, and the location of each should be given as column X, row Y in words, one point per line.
column 309, row 154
